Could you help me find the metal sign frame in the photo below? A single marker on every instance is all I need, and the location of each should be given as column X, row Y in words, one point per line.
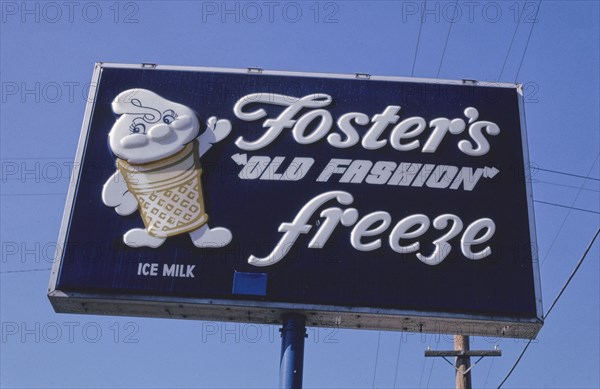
column 270, row 312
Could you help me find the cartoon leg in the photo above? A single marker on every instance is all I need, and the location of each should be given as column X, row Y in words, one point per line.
column 138, row 237
column 211, row 237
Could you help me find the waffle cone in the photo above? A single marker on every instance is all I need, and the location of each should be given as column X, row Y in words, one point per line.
column 168, row 192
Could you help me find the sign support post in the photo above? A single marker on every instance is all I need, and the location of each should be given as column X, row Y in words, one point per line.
column 291, row 363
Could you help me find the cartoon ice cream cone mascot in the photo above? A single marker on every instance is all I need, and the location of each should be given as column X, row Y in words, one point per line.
column 158, row 169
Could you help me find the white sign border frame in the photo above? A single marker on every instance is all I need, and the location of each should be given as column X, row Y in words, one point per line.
column 269, row 312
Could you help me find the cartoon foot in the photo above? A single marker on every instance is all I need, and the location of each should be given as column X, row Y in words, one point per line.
column 205, row 237
column 139, row 237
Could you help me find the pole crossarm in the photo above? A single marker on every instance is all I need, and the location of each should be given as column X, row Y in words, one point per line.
column 463, row 353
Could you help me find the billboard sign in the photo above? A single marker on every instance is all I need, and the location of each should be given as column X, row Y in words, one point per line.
column 358, row 201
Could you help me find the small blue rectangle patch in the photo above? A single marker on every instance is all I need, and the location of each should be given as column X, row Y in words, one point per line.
column 250, row 283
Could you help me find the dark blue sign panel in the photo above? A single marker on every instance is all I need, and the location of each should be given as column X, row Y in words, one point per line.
column 360, row 201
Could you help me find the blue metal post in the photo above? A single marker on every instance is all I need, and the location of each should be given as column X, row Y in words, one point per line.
column 291, row 363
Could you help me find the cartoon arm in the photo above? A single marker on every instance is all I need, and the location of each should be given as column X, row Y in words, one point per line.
column 216, row 131
column 116, row 194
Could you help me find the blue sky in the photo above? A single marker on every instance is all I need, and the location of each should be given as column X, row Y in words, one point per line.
column 47, row 54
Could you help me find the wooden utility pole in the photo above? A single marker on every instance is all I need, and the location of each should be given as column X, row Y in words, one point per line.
column 463, row 373
column 463, row 355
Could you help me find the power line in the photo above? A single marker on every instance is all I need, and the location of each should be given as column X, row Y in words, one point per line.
column 447, row 38
column 412, row 72
column 422, row 371
column 587, row 250
column 376, row 358
column 34, row 158
column 562, row 224
column 509, row 49
column 397, row 361
column 437, row 343
column 566, row 206
column 566, row 174
column 430, row 371
column 488, row 373
column 528, row 38
column 48, row 180
column 516, row 363
column 573, row 273
column 23, row 271
column 566, row 186
column 32, row 194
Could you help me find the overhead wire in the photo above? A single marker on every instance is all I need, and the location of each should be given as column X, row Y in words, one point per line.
column 566, row 186
column 528, row 38
column 562, row 290
column 566, row 206
column 509, row 48
column 412, row 72
column 447, row 38
column 564, row 220
column 488, row 373
column 566, row 174
column 422, row 371
column 376, row 358
column 397, row 361
column 23, row 271
column 437, row 343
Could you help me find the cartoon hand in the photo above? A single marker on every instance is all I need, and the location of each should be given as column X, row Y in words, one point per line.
column 116, row 194
column 216, row 131
column 221, row 128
